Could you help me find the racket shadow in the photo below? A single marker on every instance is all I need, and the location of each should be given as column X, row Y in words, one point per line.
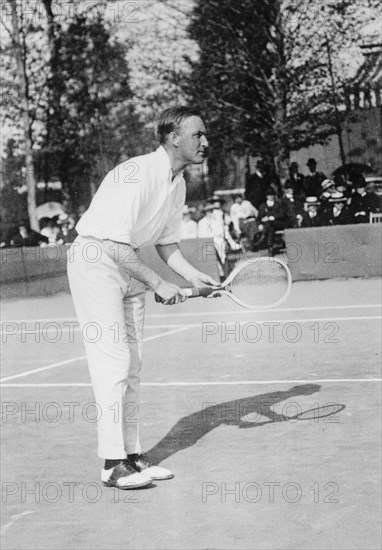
column 189, row 429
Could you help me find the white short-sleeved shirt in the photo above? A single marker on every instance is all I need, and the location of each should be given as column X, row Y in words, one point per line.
column 137, row 203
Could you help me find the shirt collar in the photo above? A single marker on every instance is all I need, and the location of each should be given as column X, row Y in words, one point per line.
column 166, row 164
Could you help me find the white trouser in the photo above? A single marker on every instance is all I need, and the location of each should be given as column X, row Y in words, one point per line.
column 111, row 316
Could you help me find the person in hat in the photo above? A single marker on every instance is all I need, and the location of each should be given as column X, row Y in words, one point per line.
column 296, row 182
column 67, row 232
column 224, row 221
column 293, row 206
column 257, row 184
column 243, row 216
column 361, row 203
column 337, row 212
column 312, row 216
column 313, row 180
column 375, row 200
column 273, row 216
column 328, row 187
column 188, row 227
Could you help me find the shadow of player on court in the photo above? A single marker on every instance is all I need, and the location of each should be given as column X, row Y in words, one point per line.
column 243, row 413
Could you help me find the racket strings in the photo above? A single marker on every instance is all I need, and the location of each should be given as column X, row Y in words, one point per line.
column 260, row 283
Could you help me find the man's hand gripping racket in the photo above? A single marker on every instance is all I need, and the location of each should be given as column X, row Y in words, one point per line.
column 259, row 283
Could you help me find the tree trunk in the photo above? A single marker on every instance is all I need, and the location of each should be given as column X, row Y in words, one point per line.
column 27, row 125
column 281, row 130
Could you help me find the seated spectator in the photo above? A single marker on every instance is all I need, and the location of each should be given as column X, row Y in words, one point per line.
column 189, row 227
column 273, row 216
column 328, row 187
column 312, row 216
column 67, row 232
column 313, row 180
column 27, row 237
column 296, row 181
column 337, row 212
column 293, row 206
column 50, row 230
column 224, row 220
column 344, row 186
column 375, row 200
column 361, row 203
column 243, row 216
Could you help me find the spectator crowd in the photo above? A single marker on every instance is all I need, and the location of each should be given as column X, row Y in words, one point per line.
column 257, row 220
column 53, row 231
column 253, row 220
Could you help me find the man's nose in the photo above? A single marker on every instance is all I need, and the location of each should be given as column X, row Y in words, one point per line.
column 204, row 141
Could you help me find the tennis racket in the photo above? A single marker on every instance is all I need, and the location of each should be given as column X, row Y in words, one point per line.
column 259, row 283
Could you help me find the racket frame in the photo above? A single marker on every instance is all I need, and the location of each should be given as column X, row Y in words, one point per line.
column 224, row 288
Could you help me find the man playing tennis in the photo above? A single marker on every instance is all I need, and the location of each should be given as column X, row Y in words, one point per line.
column 139, row 202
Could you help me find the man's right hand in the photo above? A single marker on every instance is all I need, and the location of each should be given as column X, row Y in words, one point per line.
column 170, row 294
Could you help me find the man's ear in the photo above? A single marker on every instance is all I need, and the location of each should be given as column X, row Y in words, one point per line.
column 173, row 138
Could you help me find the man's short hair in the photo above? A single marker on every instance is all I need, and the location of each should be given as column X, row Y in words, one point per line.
column 170, row 120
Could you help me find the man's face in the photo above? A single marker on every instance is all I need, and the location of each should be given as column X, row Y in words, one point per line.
column 360, row 190
column 192, row 142
column 294, row 168
column 312, row 167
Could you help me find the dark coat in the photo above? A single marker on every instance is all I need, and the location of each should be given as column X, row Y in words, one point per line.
column 256, row 189
column 278, row 210
column 296, row 181
column 362, row 203
column 312, row 184
column 342, row 219
column 33, row 239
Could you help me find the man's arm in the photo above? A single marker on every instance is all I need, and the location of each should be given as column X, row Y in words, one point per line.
column 172, row 255
column 127, row 259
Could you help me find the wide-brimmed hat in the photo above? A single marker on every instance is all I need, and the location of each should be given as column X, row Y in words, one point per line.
column 312, row 201
column 208, row 208
column 63, row 218
column 311, row 161
column 337, row 197
column 327, row 183
column 270, row 191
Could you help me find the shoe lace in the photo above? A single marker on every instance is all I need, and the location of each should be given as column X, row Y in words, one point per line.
column 142, row 458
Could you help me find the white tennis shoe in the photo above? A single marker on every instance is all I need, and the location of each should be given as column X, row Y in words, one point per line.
column 124, row 476
column 141, row 464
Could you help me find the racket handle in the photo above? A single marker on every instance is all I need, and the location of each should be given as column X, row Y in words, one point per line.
column 192, row 293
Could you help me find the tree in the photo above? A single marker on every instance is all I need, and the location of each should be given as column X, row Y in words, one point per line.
column 81, row 105
column 263, row 72
column 17, row 29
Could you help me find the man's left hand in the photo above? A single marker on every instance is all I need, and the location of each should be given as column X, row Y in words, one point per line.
column 202, row 279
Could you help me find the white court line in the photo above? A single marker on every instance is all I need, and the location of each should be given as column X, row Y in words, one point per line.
column 199, row 314
column 76, row 328
column 13, row 520
column 268, row 310
column 56, row 365
column 216, row 383
column 187, row 327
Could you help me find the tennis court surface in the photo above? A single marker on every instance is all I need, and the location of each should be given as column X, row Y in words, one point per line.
column 222, row 397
